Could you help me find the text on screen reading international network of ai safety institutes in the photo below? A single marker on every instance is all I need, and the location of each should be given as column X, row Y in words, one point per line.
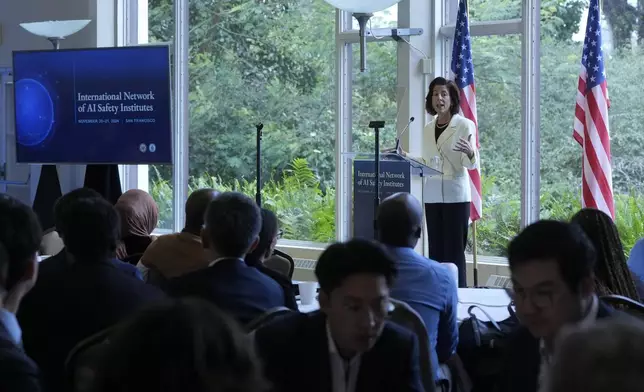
column 115, row 104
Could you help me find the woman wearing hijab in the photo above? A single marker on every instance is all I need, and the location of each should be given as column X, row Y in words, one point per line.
column 612, row 275
column 450, row 148
column 139, row 215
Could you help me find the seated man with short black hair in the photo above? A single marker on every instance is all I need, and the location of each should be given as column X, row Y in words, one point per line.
column 20, row 237
column 59, row 261
column 348, row 346
column 85, row 297
column 231, row 231
column 551, row 265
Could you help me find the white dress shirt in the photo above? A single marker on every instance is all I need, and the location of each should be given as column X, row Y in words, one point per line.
column 546, row 356
column 344, row 373
column 10, row 323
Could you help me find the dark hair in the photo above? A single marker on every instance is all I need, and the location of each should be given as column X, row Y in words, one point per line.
column 612, row 275
column 233, row 222
column 344, row 259
column 399, row 220
column 562, row 242
column 266, row 236
column 453, row 95
column 91, row 227
column 196, row 207
column 69, row 198
column 181, row 345
column 21, row 235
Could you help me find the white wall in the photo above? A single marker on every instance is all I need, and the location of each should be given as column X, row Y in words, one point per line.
column 100, row 32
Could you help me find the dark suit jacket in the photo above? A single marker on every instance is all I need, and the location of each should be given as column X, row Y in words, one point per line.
column 242, row 291
column 295, row 353
column 18, row 373
column 59, row 261
column 71, row 302
column 285, row 283
column 523, row 360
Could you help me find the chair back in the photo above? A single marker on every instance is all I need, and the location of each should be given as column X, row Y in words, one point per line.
column 268, row 317
column 282, row 263
column 402, row 314
column 626, row 304
column 84, row 360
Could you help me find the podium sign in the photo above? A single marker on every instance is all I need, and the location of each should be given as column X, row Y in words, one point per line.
column 394, row 178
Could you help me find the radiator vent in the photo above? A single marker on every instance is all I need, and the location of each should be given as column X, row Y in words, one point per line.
column 499, row 282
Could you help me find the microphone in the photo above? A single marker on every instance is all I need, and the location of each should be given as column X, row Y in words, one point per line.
column 411, row 120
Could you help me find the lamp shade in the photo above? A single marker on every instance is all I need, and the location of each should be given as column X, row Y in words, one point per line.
column 55, row 28
column 362, row 6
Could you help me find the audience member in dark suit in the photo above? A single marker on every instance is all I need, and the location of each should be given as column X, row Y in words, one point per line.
column 426, row 285
column 348, row 346
column 551, row 264
column 87, row 296
column 233, row 222
column 59, row 261
column 185, row 345
column 20, row 237
column 268, row 236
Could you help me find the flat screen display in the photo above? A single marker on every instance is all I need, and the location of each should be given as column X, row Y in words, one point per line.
column 93, row 106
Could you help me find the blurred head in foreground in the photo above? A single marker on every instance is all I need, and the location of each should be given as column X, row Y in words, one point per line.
column 606, row 356
column 182, row 345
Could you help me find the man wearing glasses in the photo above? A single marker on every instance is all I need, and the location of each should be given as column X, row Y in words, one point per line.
column 551, row 264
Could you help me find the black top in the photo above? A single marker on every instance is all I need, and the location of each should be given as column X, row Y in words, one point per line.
column 18, row 373
column 440, row 129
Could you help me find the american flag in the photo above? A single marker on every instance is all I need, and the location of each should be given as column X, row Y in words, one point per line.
column 591, row 120
column 463, row 74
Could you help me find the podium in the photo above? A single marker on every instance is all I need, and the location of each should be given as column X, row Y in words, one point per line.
column 396, row 172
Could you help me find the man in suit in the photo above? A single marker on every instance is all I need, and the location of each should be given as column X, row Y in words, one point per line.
column 232, row 226
column 348, row 346
column 551, row 264
column 20, row 237
column 59, row 261
column 426, row 285
column 87, row 295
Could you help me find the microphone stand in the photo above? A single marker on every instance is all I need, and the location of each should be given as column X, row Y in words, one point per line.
column 258, row 194
column 376, row 126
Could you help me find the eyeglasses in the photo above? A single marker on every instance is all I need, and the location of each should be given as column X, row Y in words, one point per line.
column 540, row 298
column 280, row 234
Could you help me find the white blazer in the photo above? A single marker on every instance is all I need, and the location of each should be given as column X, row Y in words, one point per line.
column 453, row 186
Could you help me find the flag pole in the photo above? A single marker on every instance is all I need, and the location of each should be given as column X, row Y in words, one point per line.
column 475, row 268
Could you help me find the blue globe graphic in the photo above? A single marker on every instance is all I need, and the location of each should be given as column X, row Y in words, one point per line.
column 34, row 112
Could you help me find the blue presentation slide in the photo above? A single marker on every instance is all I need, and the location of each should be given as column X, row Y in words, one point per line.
column 93, row 106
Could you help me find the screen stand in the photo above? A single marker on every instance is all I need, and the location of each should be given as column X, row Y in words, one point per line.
column 105, row 180
column 47, row 193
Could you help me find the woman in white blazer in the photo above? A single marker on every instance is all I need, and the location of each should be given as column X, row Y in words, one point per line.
column 449, row 148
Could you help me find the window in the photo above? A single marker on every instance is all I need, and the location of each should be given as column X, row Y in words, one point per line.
column 374, row 94
column 497, row 70
column 268, row 62
column 486, row 10
column 561, row 49
column 161, row 29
